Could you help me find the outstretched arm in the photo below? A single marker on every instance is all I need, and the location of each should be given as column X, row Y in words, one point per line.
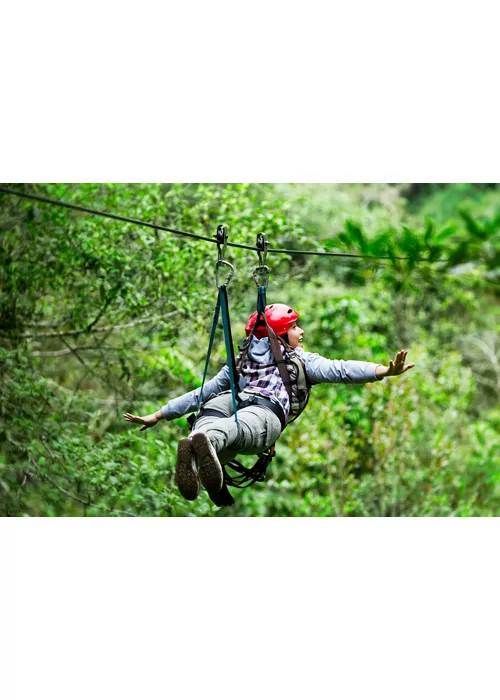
column 320, row 369
column 183, row 404
column 395, row 368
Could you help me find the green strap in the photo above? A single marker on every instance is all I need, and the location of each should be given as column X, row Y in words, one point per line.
column 210, row 345
column 222, row 305
column 261, row 300
column 231, row 363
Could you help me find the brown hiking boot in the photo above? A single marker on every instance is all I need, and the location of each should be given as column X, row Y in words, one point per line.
column 186, row 476
column 210, row 470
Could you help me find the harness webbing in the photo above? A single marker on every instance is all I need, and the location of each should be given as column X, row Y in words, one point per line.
column 210, row 345
column 222, row 307
column 228, row 338
column 246, row 477
column 273, row 341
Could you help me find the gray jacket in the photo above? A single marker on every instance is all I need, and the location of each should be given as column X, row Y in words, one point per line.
column 318, row 369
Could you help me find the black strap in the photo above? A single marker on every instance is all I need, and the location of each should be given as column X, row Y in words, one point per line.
column 191, row 419
column 278, row 356
column 262, row 401
column 247, row 477
column 251, row 401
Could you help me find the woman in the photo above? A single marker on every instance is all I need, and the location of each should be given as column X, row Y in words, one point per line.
column 272, row 392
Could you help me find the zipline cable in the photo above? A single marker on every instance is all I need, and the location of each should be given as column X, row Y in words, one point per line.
column 138, row 222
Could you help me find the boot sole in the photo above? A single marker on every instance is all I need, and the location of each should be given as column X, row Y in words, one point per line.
column 186, row 477
column 210, row 470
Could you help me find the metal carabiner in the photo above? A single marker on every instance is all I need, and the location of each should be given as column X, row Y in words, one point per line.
column 221, row 237
column 221, row 263
column 255, row 274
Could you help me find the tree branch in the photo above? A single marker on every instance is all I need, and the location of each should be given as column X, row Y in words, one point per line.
column 102, row 329
column 86, row 503
column 89, row 370
column 67, row 351
column 108, row 301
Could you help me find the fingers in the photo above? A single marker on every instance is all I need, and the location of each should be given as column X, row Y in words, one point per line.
column 401, row 356
column 136, row 419
column 398, row 365
column 131, row 418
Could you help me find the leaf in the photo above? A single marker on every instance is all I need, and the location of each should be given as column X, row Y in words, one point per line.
column 344, row 238
column 473, row 226
column 382, row 245
column 445, row 233
column 356, row 235
column 410, row 244
column 459, row 255
column 434, row 253
column 429, row 230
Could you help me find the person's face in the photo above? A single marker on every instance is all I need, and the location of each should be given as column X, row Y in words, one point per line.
column 295, row 335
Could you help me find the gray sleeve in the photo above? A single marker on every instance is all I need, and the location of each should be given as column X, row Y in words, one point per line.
column 189, row 402
column 320, row 370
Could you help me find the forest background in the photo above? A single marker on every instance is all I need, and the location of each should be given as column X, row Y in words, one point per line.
column 99, row 317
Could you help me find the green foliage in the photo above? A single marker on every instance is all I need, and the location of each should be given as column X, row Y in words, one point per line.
column 401, row 447
column 98, row 317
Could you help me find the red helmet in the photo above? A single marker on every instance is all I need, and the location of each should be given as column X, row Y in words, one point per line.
column 279, row 316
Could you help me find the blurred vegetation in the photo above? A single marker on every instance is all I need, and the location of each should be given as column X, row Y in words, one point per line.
column 98, row 317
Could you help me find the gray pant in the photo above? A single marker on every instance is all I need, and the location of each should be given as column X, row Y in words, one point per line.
column 258, row 428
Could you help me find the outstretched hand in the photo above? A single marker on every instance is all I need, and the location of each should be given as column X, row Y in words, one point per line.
column 146, row 421
column 398, row 366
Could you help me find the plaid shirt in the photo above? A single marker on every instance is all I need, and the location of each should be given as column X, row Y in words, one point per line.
column 265, row 380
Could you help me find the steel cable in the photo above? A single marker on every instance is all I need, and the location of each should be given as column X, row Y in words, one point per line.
column 160, row 227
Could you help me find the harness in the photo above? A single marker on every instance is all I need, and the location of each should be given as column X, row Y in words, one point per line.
column 295, row 380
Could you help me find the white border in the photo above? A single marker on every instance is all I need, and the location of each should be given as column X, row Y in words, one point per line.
column 299, row 607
